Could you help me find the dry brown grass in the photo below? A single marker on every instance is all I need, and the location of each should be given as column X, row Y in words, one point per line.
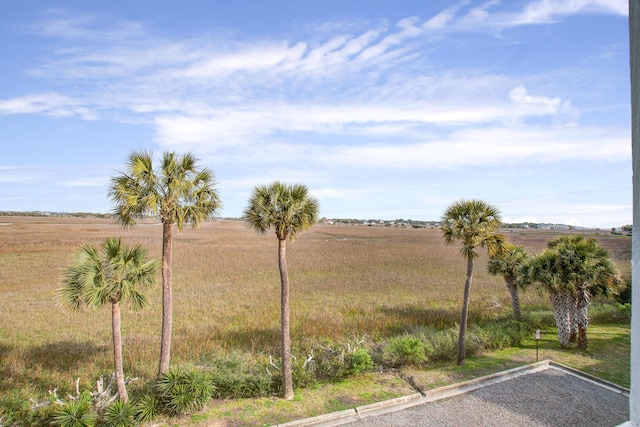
column 346, row 282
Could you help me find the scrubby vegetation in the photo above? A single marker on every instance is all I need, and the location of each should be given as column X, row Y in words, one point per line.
column 364, row 300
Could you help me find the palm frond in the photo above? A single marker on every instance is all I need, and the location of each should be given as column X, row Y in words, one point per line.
column 287, row 209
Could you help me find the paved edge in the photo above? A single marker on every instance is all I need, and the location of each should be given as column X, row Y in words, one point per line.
column 590, row 378
column 400, row 403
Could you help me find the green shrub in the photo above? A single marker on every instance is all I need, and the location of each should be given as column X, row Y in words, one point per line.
column 302, row 373
column 624, row 296
column 405, row 350
column 476, row 341
column 360, row 361
column 15, row 409
column 328, row 364
column 325, row 362
column 75, row 413
column 444, row 344
column 119, row 414
column 610, row 313
column 335, row 362
column 539, row 318
column 504, row 334
column 183, row 391
column 236, row 377
column 147, row 408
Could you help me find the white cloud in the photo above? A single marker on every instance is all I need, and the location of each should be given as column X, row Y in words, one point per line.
column 340, row 99
column 51, row 104
column 491, row 147
column 545, row 11
column 519, row 95
column 482, row 18
column 443, row 18
column 59, row 23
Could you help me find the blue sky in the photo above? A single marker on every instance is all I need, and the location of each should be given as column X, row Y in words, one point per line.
column 384, row 109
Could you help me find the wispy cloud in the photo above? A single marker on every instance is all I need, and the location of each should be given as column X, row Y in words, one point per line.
column 51, row 104
column 362, row 96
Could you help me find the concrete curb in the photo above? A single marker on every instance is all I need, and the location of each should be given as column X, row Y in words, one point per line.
column 326, row 420
column 400, row 403
column 476, row 383
column 588, row 377
column 390, row 405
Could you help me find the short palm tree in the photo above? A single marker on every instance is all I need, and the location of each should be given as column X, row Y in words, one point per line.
column 507, row 264
column 289, row 210
column 587, row 269
column 110, row 274
column 180, row 192
column 545, row 270
column 473, row 223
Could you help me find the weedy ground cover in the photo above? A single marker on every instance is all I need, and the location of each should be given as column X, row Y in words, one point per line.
column 348, row 283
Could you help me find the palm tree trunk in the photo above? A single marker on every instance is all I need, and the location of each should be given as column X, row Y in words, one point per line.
column 573, row 317
column 117, row 351
column 462, row 336
column 515, row 300
column 561, row 305
column 583, row 316
column 167, row 299
column 287, row 377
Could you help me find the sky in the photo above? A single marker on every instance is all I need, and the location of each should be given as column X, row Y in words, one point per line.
column 384, row 109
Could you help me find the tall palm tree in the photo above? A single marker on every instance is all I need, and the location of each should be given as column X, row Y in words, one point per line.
column 289, row 210
column 587, row 269
column 180, row 192
column 474, row 224
column 507, row 264
column 108, row 275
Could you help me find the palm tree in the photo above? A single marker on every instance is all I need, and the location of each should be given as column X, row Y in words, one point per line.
column 474, row 223
column 507, row 264
column 108, row 275
column 571, row 270
column 545, row 269
column 180, row 192
column 288, row 209
column 587, row 269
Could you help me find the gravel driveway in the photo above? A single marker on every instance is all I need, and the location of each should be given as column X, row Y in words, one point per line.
column 547, row 398
column 542, row 394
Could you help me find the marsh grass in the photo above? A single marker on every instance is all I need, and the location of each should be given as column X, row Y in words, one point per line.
column 347, row 282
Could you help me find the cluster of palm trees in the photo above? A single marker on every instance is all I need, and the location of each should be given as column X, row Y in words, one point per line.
column 180, row 192
column 570, row 270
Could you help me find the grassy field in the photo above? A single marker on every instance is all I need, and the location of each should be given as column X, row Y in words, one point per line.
column 347, row 282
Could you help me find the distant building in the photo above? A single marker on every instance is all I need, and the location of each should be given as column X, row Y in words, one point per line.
column 553, row 227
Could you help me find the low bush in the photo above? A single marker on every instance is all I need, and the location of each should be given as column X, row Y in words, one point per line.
column 610, row 313
column 332, row 363
column 236, row 376
column 119, row 414
column 624, row 295
column 405, row 350
column 75, row 413
column 323, row 362
column 444, row 344
column 184, row 390
column 17, row 409
column 539, row 318
column 147, row 408
column 423, row 344
column 360, row 362
column 302, row 373
column 510, row 333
